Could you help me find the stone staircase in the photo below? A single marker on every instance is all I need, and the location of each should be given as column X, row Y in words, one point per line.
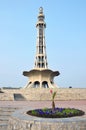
column 5, row 113
column 19, row 97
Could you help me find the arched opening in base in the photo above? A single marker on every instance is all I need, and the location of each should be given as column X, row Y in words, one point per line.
column 36, row 84
column 45, row 84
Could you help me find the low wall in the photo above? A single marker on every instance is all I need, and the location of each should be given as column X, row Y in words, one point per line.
column 44, row 94
column 6, row 97
column 21, row 121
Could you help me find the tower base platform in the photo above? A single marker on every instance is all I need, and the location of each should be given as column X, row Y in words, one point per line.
column 41, row 78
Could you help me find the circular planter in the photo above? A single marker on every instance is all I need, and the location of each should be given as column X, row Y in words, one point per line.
column 21, row 121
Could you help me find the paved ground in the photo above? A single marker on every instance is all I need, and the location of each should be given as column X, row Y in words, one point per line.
column 21, row 104
column 8, row 107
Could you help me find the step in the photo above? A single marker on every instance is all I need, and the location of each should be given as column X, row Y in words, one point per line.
column 3, row 126
column 5, row 109
column 5, row 113
column 4, row 118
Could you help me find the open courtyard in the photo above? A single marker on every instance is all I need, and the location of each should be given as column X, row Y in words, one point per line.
column 8, row 107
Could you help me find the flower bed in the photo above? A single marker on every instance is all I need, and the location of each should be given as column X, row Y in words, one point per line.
column 56, row 113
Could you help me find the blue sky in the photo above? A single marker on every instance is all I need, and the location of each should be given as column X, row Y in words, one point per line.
column 65, row 40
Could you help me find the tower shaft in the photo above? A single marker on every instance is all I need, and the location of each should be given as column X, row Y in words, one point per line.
column 41, row 57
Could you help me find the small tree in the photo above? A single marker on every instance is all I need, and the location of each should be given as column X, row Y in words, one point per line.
column 53, row 97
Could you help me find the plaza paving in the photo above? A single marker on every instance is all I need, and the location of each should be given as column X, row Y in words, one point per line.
column 8, row 107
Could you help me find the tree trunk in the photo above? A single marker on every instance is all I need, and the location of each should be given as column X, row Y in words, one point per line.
column 53, row 105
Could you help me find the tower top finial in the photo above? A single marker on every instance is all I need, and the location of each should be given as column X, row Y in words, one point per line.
column 41, row 10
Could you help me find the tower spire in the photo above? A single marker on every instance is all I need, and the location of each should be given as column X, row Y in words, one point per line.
column 41, row 57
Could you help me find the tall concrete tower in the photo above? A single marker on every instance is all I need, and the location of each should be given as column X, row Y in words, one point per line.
column 41, row 76
column 41, row 57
